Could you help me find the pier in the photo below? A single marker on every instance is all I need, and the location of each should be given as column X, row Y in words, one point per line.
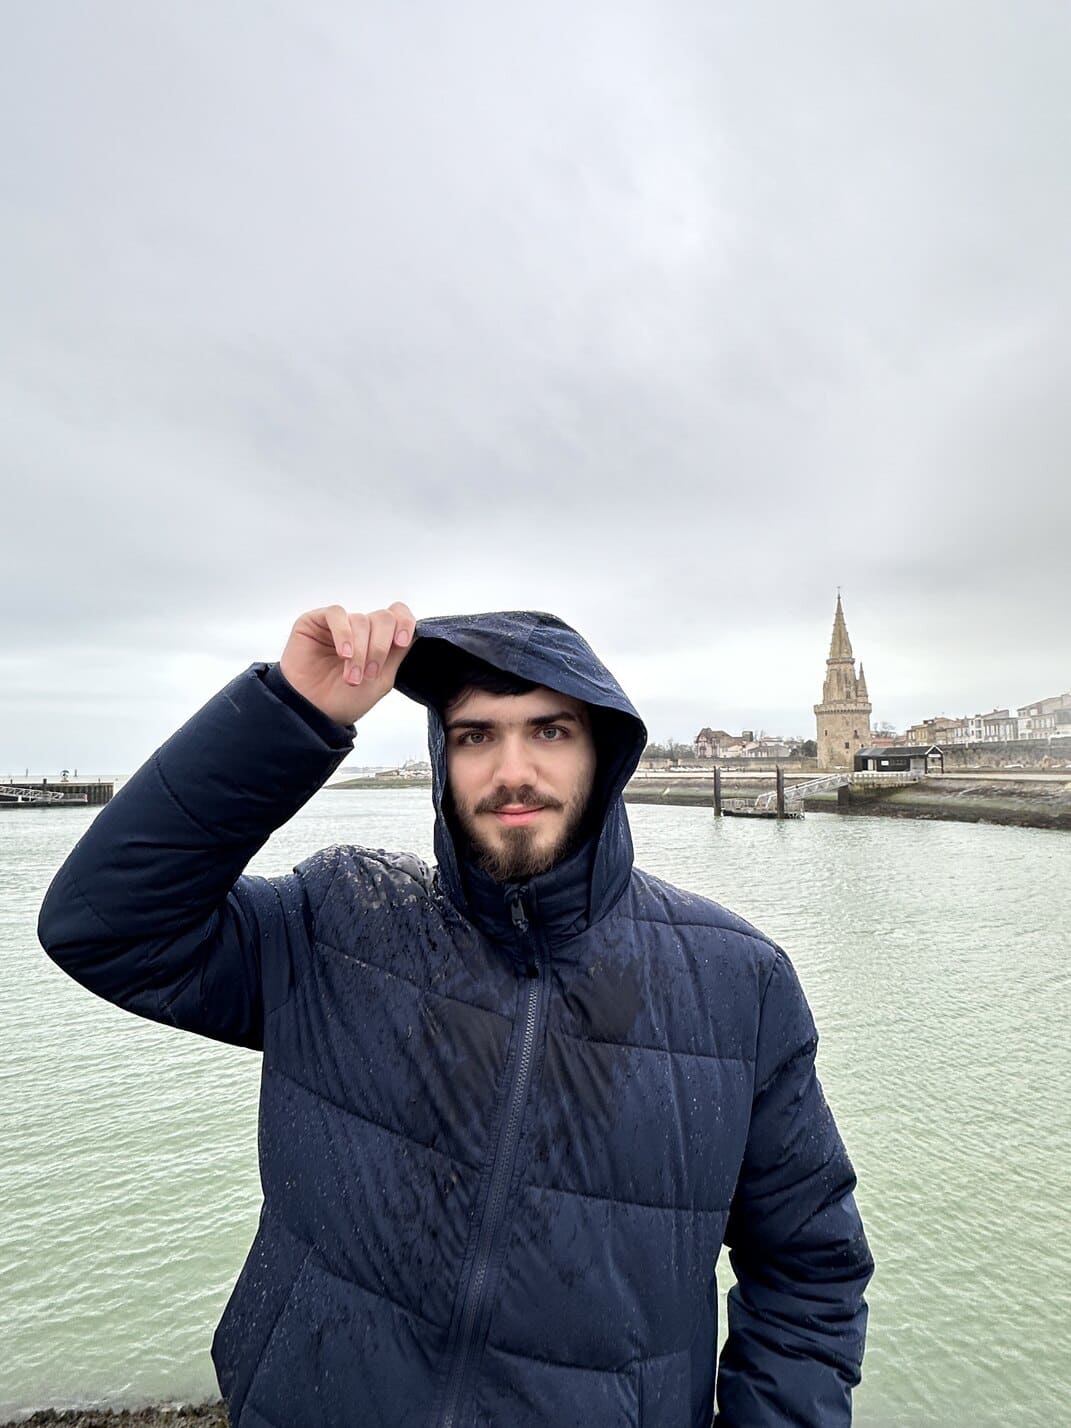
column 767, row 805
column 780, row 802
column 54, row 793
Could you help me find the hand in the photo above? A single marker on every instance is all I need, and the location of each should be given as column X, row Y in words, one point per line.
column 343, row 663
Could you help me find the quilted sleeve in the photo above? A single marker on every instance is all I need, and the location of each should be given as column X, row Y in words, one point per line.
column 151, row 910
column 797, row 1317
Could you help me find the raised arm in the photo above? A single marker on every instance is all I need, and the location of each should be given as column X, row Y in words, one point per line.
column 797, row 1317
column 151, row 910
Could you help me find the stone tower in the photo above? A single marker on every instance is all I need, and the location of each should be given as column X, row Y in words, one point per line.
column 844, row 713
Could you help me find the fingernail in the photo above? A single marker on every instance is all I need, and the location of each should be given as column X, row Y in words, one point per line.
column 347, row 651
column 371, row 669
column 354, row 676
column 402, row 637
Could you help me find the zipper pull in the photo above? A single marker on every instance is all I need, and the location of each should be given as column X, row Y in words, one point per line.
column 519, row 918
column 517, row 912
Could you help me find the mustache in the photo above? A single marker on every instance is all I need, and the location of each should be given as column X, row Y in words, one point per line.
column 526, row 796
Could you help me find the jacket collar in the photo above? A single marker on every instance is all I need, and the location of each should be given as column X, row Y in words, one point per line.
column 556, row 903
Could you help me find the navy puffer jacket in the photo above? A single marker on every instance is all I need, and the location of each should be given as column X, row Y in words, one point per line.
column 504, row 1131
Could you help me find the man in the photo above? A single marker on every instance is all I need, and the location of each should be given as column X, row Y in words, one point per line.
column 512, row 1107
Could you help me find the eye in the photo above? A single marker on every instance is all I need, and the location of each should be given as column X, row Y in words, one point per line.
column 552, row 733
column 471, row 736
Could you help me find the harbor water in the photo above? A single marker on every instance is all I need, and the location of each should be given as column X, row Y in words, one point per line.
column 937, row 959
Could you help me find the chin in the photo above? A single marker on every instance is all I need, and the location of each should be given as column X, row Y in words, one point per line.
column 516, row 854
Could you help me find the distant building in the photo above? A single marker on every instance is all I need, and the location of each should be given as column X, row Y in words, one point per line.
column 711, row 743
column 900, row 758
column 954, row 732
column 718, row 744
column 1047, row 719
column 938, row 730
column 844, row 713
column 768, row 749
column 997, row 727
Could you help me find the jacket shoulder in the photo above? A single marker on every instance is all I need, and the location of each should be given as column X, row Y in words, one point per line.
column 655, row 900
column 369, row 872
column 344, row 880
column 700, row 973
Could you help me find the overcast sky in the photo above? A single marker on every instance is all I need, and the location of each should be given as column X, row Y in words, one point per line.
column 668, row 317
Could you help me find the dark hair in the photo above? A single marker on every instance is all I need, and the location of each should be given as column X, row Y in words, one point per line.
column 467, row 672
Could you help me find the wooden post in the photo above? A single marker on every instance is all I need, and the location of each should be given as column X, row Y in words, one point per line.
column 717, row 791
column 780, row 791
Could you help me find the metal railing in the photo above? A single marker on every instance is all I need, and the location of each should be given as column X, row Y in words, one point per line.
column 21, row 794
column 799, row 791
column 869, row 778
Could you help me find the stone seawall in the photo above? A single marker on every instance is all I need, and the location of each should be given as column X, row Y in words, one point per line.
column 1038, row 754
column 1017, row 804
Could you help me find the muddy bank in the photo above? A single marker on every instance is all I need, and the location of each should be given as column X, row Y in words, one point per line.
column 206, row 1415
column 1020, row 804
column 393, row 781
column 1014, row 804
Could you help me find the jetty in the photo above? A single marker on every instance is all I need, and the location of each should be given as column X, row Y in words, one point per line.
column 782, row 802
column 54, row 793
column 775, row 804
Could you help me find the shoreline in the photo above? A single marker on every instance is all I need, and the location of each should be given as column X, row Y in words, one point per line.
column 162, row 1415
column 1015, row 803
column 1012, row 805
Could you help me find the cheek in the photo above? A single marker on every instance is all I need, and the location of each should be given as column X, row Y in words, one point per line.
column 466, row 780
column 456, row 784
column 583, row 777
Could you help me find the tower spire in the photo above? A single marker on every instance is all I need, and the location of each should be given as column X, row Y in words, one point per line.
column 860, row 684
column 840, row 646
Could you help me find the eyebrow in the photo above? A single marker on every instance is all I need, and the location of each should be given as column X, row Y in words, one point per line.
column 538, row 721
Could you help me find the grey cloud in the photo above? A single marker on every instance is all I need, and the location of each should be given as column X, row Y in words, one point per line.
column 669, row 317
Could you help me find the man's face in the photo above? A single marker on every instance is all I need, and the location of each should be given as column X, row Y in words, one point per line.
column 520, row 769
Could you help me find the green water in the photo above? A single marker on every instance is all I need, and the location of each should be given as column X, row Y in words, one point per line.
column 937, row 958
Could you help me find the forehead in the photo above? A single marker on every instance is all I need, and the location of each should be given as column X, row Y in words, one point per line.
column 506, row 709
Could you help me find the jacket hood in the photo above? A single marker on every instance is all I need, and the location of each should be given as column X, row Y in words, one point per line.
column 545, row 650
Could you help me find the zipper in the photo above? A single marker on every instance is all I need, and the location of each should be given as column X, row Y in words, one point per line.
column 502, row 1171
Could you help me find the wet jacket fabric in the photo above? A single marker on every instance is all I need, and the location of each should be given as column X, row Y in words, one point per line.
column 504, row 1130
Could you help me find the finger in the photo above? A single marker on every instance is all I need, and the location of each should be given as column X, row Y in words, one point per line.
column 383, row 625
column 338, row 626
column 357, row 633
column 313, row 625
column 405, row 624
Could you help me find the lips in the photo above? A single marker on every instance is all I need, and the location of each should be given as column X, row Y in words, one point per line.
column 517, row 817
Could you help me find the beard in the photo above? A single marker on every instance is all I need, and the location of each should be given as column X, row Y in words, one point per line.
column 517, row 853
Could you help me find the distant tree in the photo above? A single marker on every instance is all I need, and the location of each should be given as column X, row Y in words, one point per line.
column 809, row 749
column 672, row 749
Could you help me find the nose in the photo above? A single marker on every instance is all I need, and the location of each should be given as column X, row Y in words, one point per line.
column 516, row 762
